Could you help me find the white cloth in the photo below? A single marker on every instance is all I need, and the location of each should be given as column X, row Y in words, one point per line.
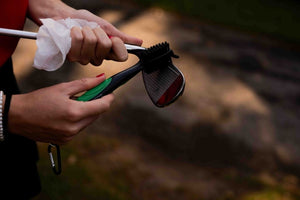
column 54, row 42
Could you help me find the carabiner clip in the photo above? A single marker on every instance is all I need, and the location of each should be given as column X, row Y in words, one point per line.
column 58, row 170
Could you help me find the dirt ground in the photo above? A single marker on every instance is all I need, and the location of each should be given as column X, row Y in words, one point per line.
column 233, row 134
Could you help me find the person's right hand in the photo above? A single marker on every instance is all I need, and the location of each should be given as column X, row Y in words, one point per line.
column 50, row 115
column 94, row 45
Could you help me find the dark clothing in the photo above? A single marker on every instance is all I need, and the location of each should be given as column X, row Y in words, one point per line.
column 19, row 178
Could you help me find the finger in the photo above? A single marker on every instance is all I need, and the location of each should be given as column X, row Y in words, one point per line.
column 129, row 39
column 113, row 31
column 107, row 27
column 96, row 107
column 77, row 86
column 89, row 45
column 103, row 47
column 76, row 44
column 119, row 51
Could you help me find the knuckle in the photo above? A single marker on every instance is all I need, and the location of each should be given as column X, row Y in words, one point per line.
column 72, row 130
column 117, row 40
column 77, row 38
column 86, row 28
column 73, row 115
column 107, row 44
column 105, row 106
column 76, row 35
column 83, row 82
column 112, row 98
column 123, row 57
column 83, row 11
column 69, row 131
column 91, row 39
column 105, row 25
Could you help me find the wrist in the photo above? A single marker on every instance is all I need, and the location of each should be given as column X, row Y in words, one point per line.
column 3, row 101
column 39, row 9
column 62, row 10
column 14, row 114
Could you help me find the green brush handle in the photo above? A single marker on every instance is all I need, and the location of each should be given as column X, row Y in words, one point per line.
column 110, row 84
column 92, row 93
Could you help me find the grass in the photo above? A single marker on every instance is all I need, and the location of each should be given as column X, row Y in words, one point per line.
column 269, row 195
column 80, row 179
column 275, row 18
column 89, row 175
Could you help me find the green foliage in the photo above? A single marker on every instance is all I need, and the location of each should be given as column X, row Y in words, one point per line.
column 277, row 18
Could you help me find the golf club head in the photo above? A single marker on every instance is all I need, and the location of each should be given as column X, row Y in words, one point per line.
column 164, row 85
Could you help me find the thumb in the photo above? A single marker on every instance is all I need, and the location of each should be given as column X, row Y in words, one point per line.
column 81, row 85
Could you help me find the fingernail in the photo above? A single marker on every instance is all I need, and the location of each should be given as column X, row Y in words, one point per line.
column 100, row 75
column 110, row 36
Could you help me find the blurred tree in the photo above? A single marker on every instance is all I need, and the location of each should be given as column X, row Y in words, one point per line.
column 277, row 18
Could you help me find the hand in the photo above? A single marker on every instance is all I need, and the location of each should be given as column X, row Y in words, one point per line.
column 108, row 28
column 94, row 45
column 50, row 115
column 87, row 45
column 56, row 9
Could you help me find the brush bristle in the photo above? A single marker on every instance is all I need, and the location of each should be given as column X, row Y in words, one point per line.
column 156, row 57
column 157, row 50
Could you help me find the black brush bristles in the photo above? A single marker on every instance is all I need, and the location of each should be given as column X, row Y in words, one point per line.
column 155, row 57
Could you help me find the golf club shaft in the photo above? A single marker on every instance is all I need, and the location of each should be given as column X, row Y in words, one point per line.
column 33, row 35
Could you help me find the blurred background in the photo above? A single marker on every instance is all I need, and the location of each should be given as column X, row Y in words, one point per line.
column 234, row 134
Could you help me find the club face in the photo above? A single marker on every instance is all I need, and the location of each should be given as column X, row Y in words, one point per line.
column 164, row 85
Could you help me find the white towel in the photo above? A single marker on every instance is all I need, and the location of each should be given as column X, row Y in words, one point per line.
column 54, row 42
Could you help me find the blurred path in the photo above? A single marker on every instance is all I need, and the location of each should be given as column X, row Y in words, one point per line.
column 238, row 119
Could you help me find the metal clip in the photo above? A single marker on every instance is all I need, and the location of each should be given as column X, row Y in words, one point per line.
column 58, row 170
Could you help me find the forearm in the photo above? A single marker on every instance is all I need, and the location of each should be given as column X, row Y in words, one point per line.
column 56, row 9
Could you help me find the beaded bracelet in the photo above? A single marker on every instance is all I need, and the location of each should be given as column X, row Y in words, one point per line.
column 5, row 115
column 1, row 119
